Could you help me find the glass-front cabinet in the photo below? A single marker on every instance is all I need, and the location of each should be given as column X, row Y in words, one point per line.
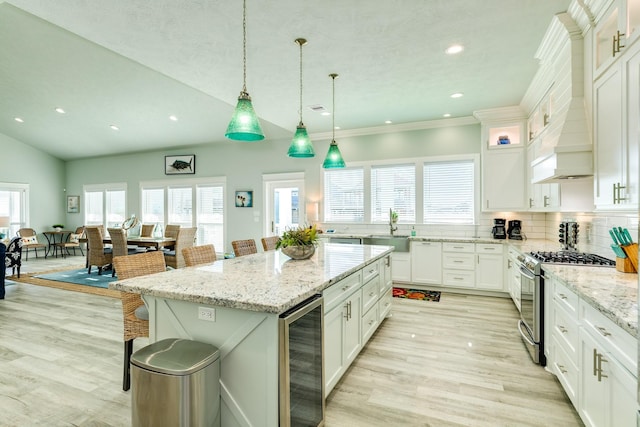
column 617, row 28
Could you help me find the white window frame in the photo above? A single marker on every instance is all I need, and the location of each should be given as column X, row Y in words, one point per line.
column 103, row 188
column 23, row 221
column 193, row 183
column 418, row 162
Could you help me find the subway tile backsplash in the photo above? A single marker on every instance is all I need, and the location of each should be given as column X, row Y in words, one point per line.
column 593, row 235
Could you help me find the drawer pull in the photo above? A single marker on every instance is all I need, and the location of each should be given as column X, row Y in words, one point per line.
column 487, row 248
column 458, row 247
column 562, row 329
column 344, row 288
column 457, row 261
column 371, row 294
column 603, row 331
column 458, row 278
column 562, row 369
column 371, row 322
column 562, row 296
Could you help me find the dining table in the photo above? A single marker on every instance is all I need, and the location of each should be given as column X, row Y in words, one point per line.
column 148, row 242
column 55, row 236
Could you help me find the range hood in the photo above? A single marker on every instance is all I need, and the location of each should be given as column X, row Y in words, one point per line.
column 563, row 150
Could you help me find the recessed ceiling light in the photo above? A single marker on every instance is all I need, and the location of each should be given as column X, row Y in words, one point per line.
column 60, row 110
column 114, row 127
column 173, row 118
column 457, row 95
column 18, row 119
column 446, row 115
column 453, row 49
column 388, row 122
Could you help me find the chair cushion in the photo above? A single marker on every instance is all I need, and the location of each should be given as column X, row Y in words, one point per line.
column 170, row 253
column 29, row 240
column 142, row 312
column 74, row 238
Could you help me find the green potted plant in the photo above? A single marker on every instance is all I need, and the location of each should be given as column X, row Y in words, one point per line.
column 58, row 227
column 298, row 243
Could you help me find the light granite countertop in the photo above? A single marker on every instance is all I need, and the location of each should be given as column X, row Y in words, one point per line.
column 415, row 238
column 609, row 291
column 266, row 282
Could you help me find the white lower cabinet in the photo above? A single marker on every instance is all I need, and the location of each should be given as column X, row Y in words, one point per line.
column 513, row 276
column 401, row 266
column 594, row 359
column 490, row 267
column 426, row 262
column 353, row 312
column 473, row 266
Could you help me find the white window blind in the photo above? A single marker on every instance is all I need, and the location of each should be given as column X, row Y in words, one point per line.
column 115, row 204
column 153, row 206
column 210, row 215
column 13, row 199
column 393, row 187
column 180, row 206
column 449, row 192
column 93, row 208
column 344, row 195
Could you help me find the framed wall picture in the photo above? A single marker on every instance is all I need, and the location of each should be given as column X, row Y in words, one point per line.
column 180, row 165
column 73, row 204
column 244, row 199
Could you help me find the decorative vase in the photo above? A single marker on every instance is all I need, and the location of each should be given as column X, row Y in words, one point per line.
column 57, row 229
column 299, row 252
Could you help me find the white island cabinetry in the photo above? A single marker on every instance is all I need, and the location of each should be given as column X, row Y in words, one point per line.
column 247, row 295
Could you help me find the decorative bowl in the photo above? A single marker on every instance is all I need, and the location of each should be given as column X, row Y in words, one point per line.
column 299, row 252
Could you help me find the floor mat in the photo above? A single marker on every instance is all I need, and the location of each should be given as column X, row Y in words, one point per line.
column 417, row 294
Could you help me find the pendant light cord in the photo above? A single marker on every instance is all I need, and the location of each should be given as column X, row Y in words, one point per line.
column 300, row 42
column 244, row 46
column 333, row 107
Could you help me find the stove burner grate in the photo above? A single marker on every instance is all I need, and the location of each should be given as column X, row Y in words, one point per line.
column 571, row 257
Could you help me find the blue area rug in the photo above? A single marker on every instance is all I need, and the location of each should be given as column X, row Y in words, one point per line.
column 80, row 277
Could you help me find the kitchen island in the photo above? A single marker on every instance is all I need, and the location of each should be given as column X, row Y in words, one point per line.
column 236, row 304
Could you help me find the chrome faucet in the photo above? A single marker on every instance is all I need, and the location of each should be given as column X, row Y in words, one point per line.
column 391, row 227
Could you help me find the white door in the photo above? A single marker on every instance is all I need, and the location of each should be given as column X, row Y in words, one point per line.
column 284, row 203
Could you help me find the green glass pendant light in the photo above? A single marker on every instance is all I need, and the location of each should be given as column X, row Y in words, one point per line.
column 301, row 145
column 244, row 125
column 334, row 158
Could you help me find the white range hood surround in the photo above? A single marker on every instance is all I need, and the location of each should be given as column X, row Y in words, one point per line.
column 564, row 148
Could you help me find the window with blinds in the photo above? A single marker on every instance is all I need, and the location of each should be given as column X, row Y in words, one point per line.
column 105, row 204
column 449, row 192
column 93, row 208
column 393, row 187
column 344, row 195
column 210, row 215
column 153, row 206
column 180, row 206
column 115, row 207
column 13, row 204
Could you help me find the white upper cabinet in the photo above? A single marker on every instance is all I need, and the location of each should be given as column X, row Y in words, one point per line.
column 616, row 133
column 618, row 26
column 503, row 159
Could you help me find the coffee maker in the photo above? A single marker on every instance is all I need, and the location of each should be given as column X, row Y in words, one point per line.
column 515, row 230
column 498, row 231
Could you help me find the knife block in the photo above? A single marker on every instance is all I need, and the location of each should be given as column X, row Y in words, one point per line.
column 623, row 265
column 632, row 255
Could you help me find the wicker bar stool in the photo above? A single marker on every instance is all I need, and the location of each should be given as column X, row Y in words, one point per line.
column 196, row 255
column 269, row 243
column 133, row 308
column 244, row 247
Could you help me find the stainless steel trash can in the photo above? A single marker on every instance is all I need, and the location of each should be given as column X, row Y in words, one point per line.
column 175, row 382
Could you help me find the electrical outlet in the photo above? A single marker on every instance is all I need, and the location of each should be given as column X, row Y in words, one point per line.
column 206, row 313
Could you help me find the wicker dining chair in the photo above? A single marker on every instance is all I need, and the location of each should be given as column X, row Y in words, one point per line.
column 196, row 255
column 97, row 253
column 184, row 239
column 72, row 242
column 269, row 243
column 30, row 241
column 119, row 245
column 135, row 322
column 244, row 247
column 147, row 230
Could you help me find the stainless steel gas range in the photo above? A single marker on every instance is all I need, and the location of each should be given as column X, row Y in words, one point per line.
column 531, row 323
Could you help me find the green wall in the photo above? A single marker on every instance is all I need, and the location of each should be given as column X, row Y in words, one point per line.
column 45, row 175
column 244, row 163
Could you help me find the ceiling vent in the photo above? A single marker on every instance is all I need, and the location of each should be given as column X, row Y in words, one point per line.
column 319, row 109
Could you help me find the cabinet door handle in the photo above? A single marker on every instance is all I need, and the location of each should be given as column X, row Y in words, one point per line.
column 595, row 362
column 562, row 296
column 603, row 331
column 546, row 201
column 562, row 369
column 349, row 310
column 562, row 329
column 530, row 202
column 600, row 374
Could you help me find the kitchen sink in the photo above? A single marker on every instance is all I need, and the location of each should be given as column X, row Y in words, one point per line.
column 400, row 243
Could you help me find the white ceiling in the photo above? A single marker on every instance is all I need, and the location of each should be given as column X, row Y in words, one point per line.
column 133, row 63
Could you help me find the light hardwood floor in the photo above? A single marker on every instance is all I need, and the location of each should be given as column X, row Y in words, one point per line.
column 457, row 362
